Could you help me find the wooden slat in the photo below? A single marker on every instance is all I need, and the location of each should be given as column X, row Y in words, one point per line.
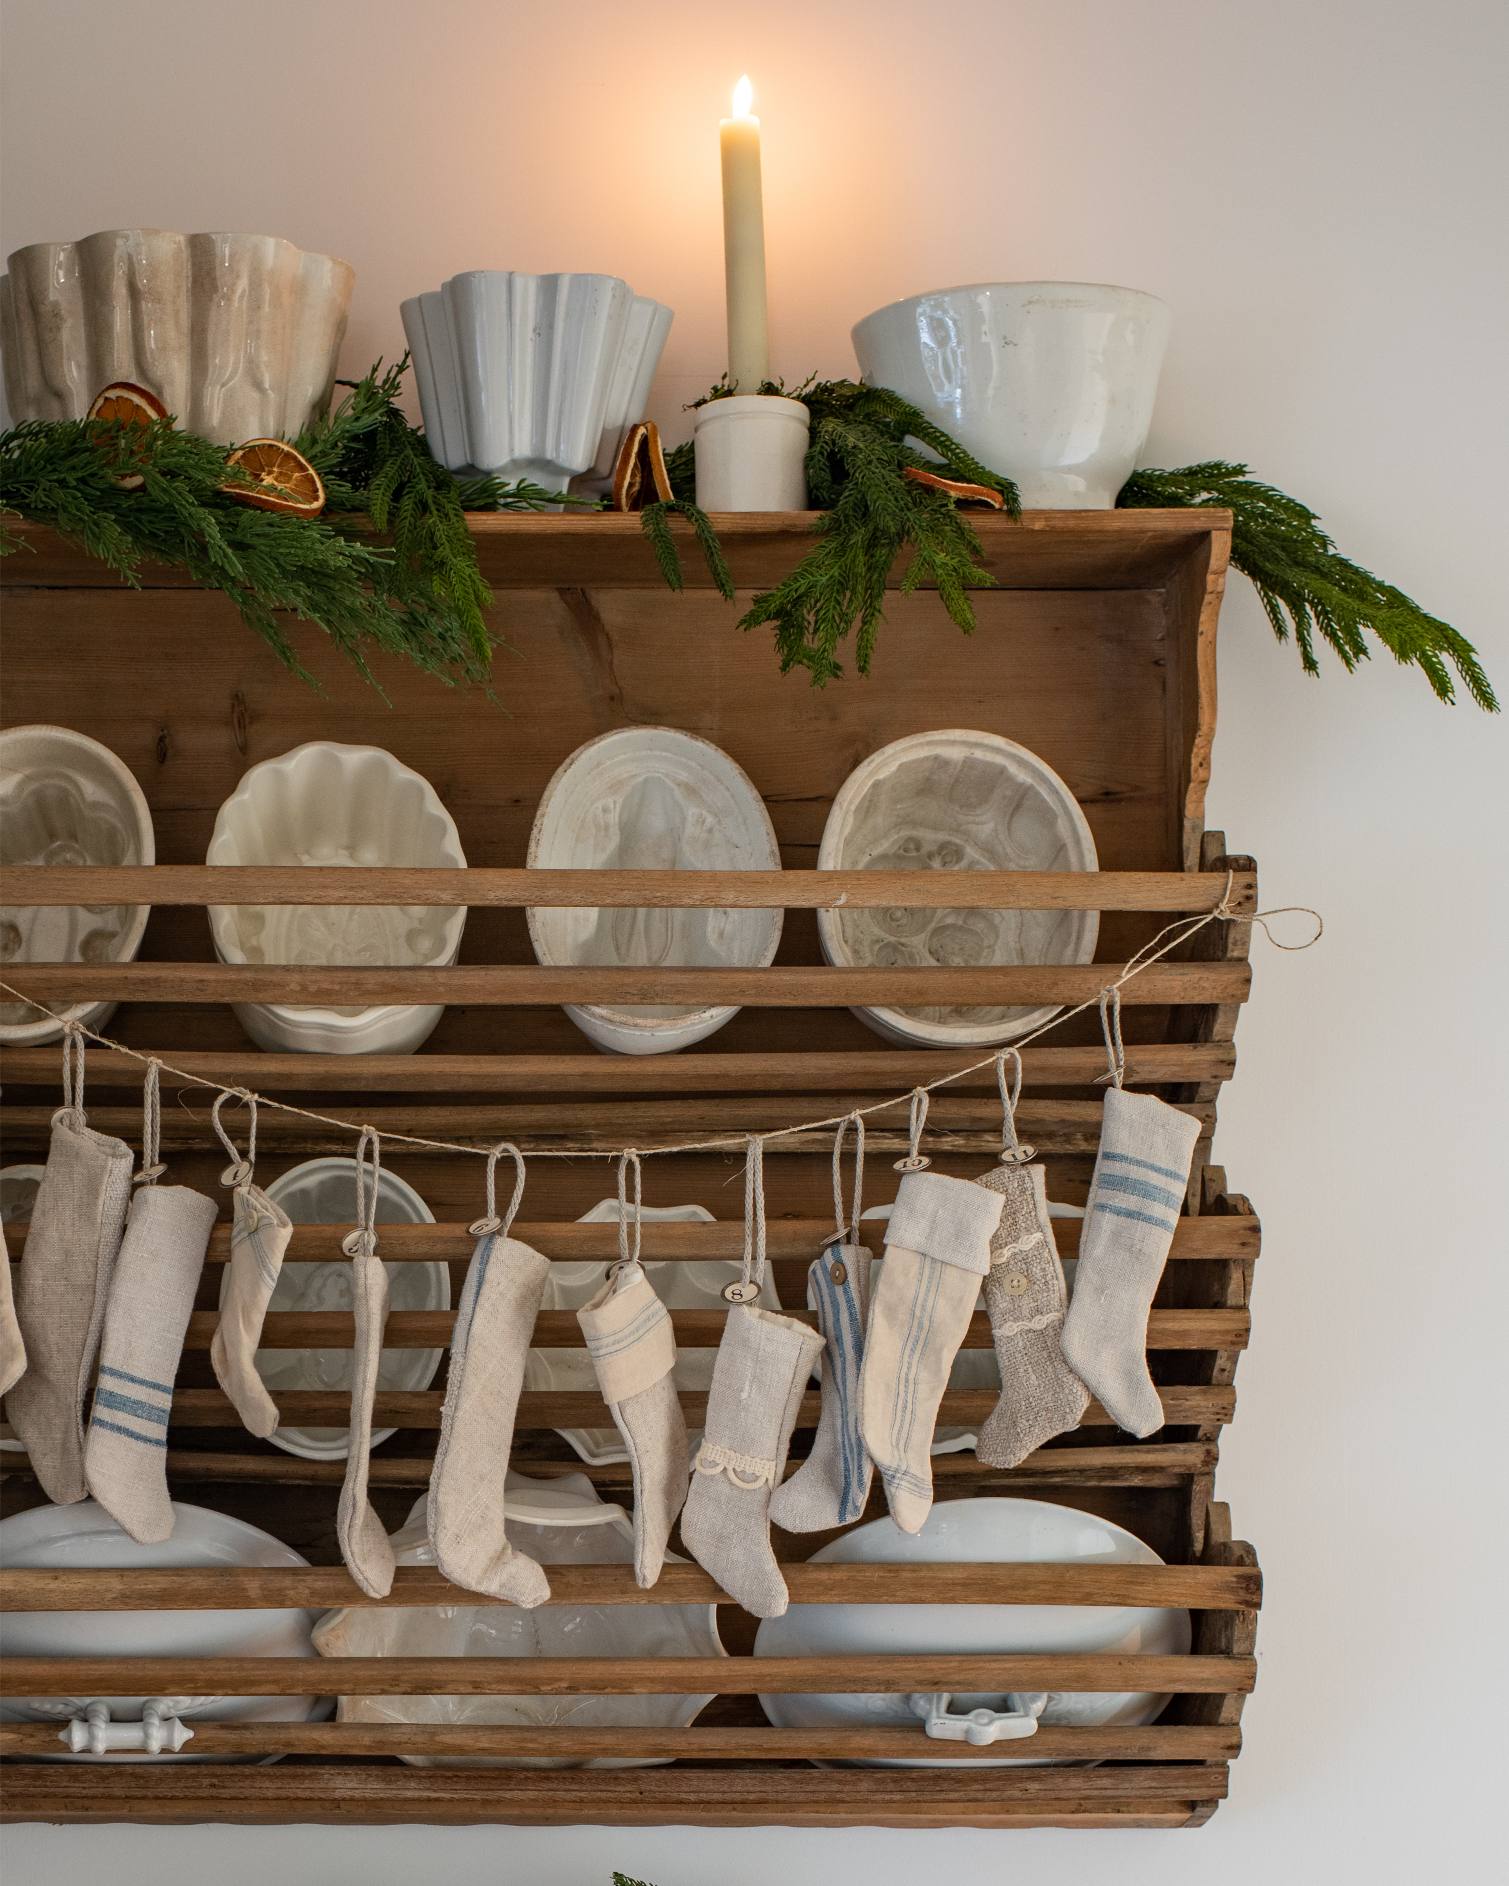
column 226, row 1587
column 1068, row 1743
column 521, row 984
column 563, row 1408
column 618, row 1676
column 559, row 1329
column 882, row 1070
column 197, row 884
column 568, row 1240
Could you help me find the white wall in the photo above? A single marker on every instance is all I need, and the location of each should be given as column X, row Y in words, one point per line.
column 1317, row 188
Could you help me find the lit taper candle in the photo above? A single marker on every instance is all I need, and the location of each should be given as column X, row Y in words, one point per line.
column 744, row 243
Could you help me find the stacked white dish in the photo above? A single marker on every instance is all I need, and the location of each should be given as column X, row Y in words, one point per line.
column 323, row 1192
column 85, row 1537
column 533, row 376
column 982, row 1532
column 653, row 798
column 67, row 800
column 330, row 804
column 557, row 1522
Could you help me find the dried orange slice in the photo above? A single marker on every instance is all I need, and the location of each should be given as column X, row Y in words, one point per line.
column 281, row 479
column 124, row 403
column 639, row 475
column 957, row 488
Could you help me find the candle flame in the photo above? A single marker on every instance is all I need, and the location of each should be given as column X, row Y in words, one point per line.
column 743, row 97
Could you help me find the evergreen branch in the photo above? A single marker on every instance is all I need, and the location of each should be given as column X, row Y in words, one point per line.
column 1307, row 587
column 655, row 522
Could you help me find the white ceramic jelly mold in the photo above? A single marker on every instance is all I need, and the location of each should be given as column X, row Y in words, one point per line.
column 330, row 804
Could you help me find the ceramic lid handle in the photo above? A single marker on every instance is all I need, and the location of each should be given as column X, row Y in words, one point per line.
column 979, row 1727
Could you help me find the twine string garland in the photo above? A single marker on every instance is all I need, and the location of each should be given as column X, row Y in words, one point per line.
column 1164, row 943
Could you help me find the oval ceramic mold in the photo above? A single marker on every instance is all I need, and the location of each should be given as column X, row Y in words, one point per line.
column 329, row 804
column 67, row 800
column 323, row 1192
column 653, row 798
column 956, row 800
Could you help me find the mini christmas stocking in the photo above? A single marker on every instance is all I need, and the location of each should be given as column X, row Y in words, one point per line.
column 466, row 1514
column 832, row 1484
column 260, row 1231
column 937, row 1253
column 151, row 1295
column 628, row 1334
column 76, row 1226
column 1135, row 1198
column 763, row 1364
column 365, row 1545
column 1024, row 1294
column 12, row 1348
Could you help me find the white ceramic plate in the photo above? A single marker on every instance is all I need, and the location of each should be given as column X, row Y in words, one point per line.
column 985, row 1532
column 679, row 1287
column 955, row 800
column 86, row 1537
column 323, row 1192
column 65, row 799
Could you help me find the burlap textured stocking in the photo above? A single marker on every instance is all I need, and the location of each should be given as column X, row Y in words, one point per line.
column 365, row 1545
column 260, row 1233
column 12, row 1348
column 76, row 1226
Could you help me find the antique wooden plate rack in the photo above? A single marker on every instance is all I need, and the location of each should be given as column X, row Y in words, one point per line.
column 1097, row 650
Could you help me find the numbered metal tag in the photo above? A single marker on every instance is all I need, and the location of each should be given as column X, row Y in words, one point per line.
column 740, row 1292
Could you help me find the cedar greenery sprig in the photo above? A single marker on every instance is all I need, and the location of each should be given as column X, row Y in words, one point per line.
column 1306, row 585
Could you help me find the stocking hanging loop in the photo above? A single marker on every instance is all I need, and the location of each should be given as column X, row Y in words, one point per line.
column 848, row 1230
column 630, row 1211
column 491, row 1225
column 752, row 1268
column 362, row 1242
column 915, row 1160
column 73, row 1074
column 238, row 1174
column 1013, row 1152
column 152, row 1167
column 1110, row 1027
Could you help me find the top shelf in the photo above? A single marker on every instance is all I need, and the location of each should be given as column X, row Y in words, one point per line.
column 1044, row 550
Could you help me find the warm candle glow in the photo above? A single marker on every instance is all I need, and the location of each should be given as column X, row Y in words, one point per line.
column 744, row 242
column 743, row 98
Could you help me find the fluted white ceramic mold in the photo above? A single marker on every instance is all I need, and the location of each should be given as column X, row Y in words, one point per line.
column 653, row 798
column 955, row 800
column 1051, row 383
column 645, row 333
column 979, row 1532
column 515, row 371
column 323, row 1192
column 328, row 804
column 65, row 799
column 85, row 1537
column 236, row 335
column 557, row 1522
column 695, row 1286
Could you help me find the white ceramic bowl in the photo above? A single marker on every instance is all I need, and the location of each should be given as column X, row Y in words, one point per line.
column 653, row 798
column 85, row 1537
column 328, row 804
column 516, row 371
column 964, row 801
column 982, row 1532
column 697, row 1286
column 65, row 799
column 236, row 335
column 1051, row 383
column 557, row 1522
column 323, row 1192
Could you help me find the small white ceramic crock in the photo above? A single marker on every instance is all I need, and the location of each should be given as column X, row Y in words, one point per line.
column 329, row 804
column 65, row 799
column 1050, row 383
column 751, row 452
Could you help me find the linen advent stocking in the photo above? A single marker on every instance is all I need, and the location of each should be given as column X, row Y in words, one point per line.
column 936, row 1257
column 260, row 1233
column 77, row 1222
column 1136, row 1195
column 832, row 1485
column 762, row 1367
column 12, row 1348
column 365, row 1545
column 465, row 1514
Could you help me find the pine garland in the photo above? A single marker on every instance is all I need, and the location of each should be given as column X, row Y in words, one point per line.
column 1306, row 585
